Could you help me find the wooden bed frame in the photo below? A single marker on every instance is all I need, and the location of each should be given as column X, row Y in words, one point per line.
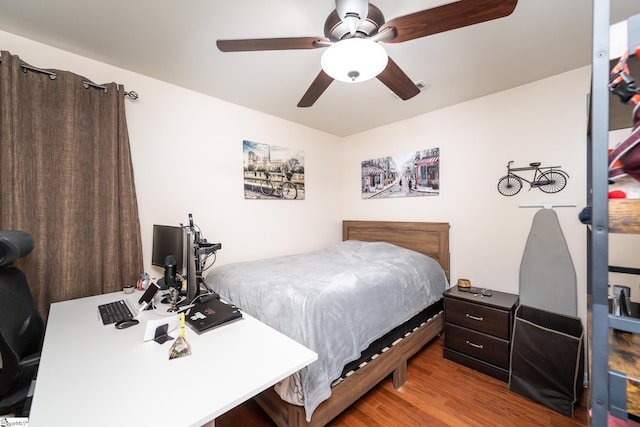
column 429, row 238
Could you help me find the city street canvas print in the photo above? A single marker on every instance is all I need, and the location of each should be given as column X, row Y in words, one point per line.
column 272, row 172
column 414, row 174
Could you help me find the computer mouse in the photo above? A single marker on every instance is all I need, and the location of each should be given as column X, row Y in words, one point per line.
column 123, row 324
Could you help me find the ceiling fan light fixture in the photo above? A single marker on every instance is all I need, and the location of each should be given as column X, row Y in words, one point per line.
column 354, row 60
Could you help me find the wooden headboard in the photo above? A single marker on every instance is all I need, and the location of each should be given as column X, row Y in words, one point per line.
column 429, row 238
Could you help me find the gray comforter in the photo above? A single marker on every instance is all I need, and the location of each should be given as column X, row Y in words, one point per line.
column 335, row 301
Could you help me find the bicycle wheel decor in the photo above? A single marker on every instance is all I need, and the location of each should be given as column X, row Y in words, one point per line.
column 266, row 187
column 552, row 181
column 289, row 191
column 509, row 185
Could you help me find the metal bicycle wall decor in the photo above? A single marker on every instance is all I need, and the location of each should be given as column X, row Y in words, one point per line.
column 549, row 179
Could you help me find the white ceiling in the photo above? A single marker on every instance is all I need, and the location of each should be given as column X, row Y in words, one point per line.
column 175, row 40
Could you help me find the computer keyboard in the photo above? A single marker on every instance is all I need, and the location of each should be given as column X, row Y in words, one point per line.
column 114, row 312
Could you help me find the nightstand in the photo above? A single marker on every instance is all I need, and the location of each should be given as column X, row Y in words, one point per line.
column 477, row 330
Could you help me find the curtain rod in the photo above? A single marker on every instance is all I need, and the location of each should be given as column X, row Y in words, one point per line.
column 547, row 205
column 86, row 83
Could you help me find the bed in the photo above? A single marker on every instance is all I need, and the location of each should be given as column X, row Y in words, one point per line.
column 349, row 282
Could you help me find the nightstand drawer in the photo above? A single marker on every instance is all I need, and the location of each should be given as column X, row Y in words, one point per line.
column 478, row 317
column 475, row 344
column 478, row 365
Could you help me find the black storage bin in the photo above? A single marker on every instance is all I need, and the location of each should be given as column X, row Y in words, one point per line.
column 547, row 362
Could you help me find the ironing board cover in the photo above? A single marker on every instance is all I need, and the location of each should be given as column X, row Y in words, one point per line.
column 547, row 275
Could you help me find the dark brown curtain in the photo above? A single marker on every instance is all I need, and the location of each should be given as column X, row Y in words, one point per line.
column 66, row 178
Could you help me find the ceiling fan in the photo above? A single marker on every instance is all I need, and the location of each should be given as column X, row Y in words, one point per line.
column 356, row 26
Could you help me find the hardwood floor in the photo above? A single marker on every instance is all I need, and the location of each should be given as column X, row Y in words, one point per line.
column 438, row 392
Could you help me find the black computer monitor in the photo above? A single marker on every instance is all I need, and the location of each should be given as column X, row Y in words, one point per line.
column 168, row 240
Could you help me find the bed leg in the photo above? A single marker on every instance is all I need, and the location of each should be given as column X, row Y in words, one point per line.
column 399, row 375
column 296, row 417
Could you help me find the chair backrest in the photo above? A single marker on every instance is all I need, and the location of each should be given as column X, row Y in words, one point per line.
column 14, row 244
column 21, row 327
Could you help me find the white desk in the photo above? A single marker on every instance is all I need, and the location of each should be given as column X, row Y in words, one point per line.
column 83, row 361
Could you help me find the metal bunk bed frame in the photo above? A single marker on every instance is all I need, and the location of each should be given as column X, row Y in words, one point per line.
column 608, row 387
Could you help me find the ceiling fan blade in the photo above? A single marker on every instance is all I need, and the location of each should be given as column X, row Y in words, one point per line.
column 448, row 17
column 319, row 85
column 285, row 43
column 396, row 80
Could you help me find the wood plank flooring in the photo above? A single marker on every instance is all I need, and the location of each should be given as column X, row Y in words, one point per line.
column 438, row 392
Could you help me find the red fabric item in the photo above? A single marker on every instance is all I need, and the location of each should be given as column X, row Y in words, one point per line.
column 617, row 194
column 624, row 159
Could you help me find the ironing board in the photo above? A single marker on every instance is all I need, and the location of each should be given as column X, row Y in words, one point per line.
column 547, row 275
column 547, row 345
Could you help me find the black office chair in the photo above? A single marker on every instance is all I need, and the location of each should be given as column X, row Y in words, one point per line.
column 21, row 327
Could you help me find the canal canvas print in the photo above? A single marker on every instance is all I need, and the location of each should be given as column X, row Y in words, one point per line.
column 415, row 174
column 272, row 172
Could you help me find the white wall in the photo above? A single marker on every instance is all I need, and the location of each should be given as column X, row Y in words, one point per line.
column 187, row 158
column 544, row 121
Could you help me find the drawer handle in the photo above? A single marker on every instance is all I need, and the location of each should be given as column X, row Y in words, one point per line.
column 479, row 319
column 480, row 346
